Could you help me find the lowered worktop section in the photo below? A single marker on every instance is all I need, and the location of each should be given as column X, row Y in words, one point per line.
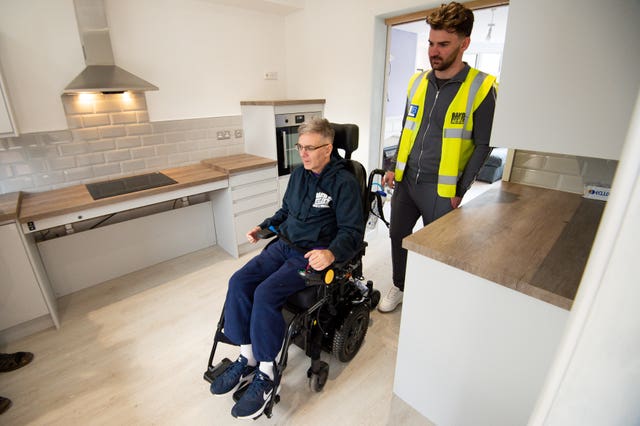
column 63, row 240
column 43, row 205
column 42, row 210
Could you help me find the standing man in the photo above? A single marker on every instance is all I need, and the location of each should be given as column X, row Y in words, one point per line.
column 445, row 136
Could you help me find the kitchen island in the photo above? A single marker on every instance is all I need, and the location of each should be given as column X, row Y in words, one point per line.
column 488, row 292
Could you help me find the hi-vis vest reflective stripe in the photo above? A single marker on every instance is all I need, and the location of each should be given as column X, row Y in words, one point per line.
column 457, row 145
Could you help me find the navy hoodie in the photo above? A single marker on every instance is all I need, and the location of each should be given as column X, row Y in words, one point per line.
column 322, row 211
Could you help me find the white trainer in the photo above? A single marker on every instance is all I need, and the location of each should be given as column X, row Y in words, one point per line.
column 391, row 300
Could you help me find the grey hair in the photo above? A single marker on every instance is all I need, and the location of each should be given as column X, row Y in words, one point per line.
column 318, row 125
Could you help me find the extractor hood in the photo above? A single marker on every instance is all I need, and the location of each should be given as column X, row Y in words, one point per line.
column 101, row 73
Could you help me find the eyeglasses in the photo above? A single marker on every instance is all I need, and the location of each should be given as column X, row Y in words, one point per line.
column 308, row 148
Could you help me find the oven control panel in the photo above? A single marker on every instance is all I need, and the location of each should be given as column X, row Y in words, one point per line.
column 295, row 119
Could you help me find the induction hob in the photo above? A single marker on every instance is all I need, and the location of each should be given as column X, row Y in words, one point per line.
column 126, row 185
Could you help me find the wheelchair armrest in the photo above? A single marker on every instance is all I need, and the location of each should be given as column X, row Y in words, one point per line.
column 265, row 233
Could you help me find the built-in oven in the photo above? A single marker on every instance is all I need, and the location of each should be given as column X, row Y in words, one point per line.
column 287, row 137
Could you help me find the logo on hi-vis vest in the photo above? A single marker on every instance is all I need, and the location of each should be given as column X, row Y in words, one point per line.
column 458, row 117
column 413, row 110
column 322, row 201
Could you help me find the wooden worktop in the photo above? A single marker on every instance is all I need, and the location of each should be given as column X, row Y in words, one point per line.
column 533, row 240
column 9, row 206
column 40, row 205
column 238, row 163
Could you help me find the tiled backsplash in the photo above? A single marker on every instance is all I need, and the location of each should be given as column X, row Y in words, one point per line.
column 111, row 136
column 562, row 172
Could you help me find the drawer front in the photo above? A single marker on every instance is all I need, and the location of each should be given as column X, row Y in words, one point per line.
column 270, row 199
column 253, row 176
column 254, row 189
column 247, row 220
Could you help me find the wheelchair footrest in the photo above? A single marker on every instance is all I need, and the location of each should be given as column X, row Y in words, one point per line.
column 216, row 370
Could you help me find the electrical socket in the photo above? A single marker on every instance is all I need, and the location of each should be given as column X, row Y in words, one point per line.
column 271, row 75
column 223, row 134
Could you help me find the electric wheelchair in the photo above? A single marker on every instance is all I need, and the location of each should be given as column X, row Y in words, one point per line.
column 332, row 312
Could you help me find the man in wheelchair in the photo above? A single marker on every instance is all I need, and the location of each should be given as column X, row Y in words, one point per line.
column 320, row 222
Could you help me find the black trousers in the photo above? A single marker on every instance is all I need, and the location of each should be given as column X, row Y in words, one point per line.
column 409, row 202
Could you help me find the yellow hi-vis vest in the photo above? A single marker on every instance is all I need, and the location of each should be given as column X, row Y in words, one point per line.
column 457, row 145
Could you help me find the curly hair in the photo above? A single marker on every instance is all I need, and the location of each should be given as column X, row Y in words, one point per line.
column 452, row 17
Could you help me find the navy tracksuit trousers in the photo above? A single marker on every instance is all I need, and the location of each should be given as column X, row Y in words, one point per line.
column 256, row 294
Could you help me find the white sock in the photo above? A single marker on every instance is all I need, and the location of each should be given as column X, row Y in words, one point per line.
column 247, row 352
column 267, row 368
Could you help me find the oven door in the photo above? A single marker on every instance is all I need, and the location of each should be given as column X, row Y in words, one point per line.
column 287, row 137
column 288, row 157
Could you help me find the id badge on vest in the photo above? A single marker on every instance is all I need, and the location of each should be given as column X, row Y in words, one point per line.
column 413, row 111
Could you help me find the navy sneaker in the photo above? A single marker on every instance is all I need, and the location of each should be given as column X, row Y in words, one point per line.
column 255, row 398
column 237, row 374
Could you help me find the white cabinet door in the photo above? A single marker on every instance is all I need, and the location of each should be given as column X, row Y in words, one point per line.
column 20, row 296
column 7, row 124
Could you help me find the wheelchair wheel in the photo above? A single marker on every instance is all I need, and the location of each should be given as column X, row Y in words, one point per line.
column 348, row 339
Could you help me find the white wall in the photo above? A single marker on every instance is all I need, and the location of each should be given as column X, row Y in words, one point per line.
column 595, row 379
column 204, row 57
column 568, row 86
column 336, row 50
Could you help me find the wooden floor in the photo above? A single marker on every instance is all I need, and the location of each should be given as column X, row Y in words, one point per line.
column 133, row 350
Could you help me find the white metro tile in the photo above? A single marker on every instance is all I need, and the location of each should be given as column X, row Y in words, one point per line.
column 50, row 178
column 566, row 165
column 102, row 170
column 133, row 166
column 90, row 159
column 143, row 152
column 61, row 163
column 569, row 183
column 528, row 160
column 77, row 174
column 535, row 178
column 17, row 184
column 117, row 156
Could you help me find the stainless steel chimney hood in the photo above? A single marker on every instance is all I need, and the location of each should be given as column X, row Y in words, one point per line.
column 101, row 73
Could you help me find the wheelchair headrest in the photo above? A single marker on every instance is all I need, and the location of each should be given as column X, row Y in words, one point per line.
column 346, row 138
